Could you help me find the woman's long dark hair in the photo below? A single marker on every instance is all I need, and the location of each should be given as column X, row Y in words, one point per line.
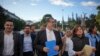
column 76, row 29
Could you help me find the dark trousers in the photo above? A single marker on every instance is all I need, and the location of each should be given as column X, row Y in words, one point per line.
column 65, row 53
column 28, row 54
column 13, row 55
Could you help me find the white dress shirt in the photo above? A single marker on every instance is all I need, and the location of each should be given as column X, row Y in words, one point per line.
column 50, row 35
column 8, row 45
column 27, row 44
column 69, row 47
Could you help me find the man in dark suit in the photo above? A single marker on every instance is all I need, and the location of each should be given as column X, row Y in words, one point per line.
column 47, row 35
column 27, row 42
column 9, row 40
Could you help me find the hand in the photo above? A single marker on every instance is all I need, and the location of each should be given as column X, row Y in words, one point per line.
column 63, row 39
column 79, row 53
column 93, row 49
column 45, row 49
column 56, row 48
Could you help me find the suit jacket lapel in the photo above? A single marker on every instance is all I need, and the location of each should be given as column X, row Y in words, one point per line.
column 32, row 38
column 14, row 38
column 2, row 37
column 55, row 34
column 22, row 40
column 45, row 36
column 56, row 37
column 2, row 40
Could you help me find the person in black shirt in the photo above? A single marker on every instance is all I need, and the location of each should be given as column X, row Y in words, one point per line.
column 79, row 40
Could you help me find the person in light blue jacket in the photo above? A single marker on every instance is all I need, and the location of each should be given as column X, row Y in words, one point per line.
column 94, row 37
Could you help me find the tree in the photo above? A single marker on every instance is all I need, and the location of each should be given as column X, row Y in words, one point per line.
column 71, row 23
column 98, row 8
column 5, row 14
column 92, row 17
column 98, row 18
column 37, row 25
column 98, row 15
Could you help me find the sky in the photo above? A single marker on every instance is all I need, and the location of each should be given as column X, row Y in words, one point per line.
column 34, row 10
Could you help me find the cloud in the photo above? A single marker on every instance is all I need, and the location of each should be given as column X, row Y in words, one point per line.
column 33, row 4
column 35, row 0
column 89, row 3
column 14, row 2
column 61, row 3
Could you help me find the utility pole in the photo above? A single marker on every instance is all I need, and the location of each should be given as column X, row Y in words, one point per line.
column 62, row 19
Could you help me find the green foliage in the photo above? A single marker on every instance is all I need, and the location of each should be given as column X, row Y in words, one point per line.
column 18, row 23
column 98, row 19
column 71, row 23
column 98, row 8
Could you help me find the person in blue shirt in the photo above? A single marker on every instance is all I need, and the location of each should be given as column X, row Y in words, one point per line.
column 93, row 36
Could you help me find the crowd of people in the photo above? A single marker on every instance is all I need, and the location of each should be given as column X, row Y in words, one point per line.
column 68, row 43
